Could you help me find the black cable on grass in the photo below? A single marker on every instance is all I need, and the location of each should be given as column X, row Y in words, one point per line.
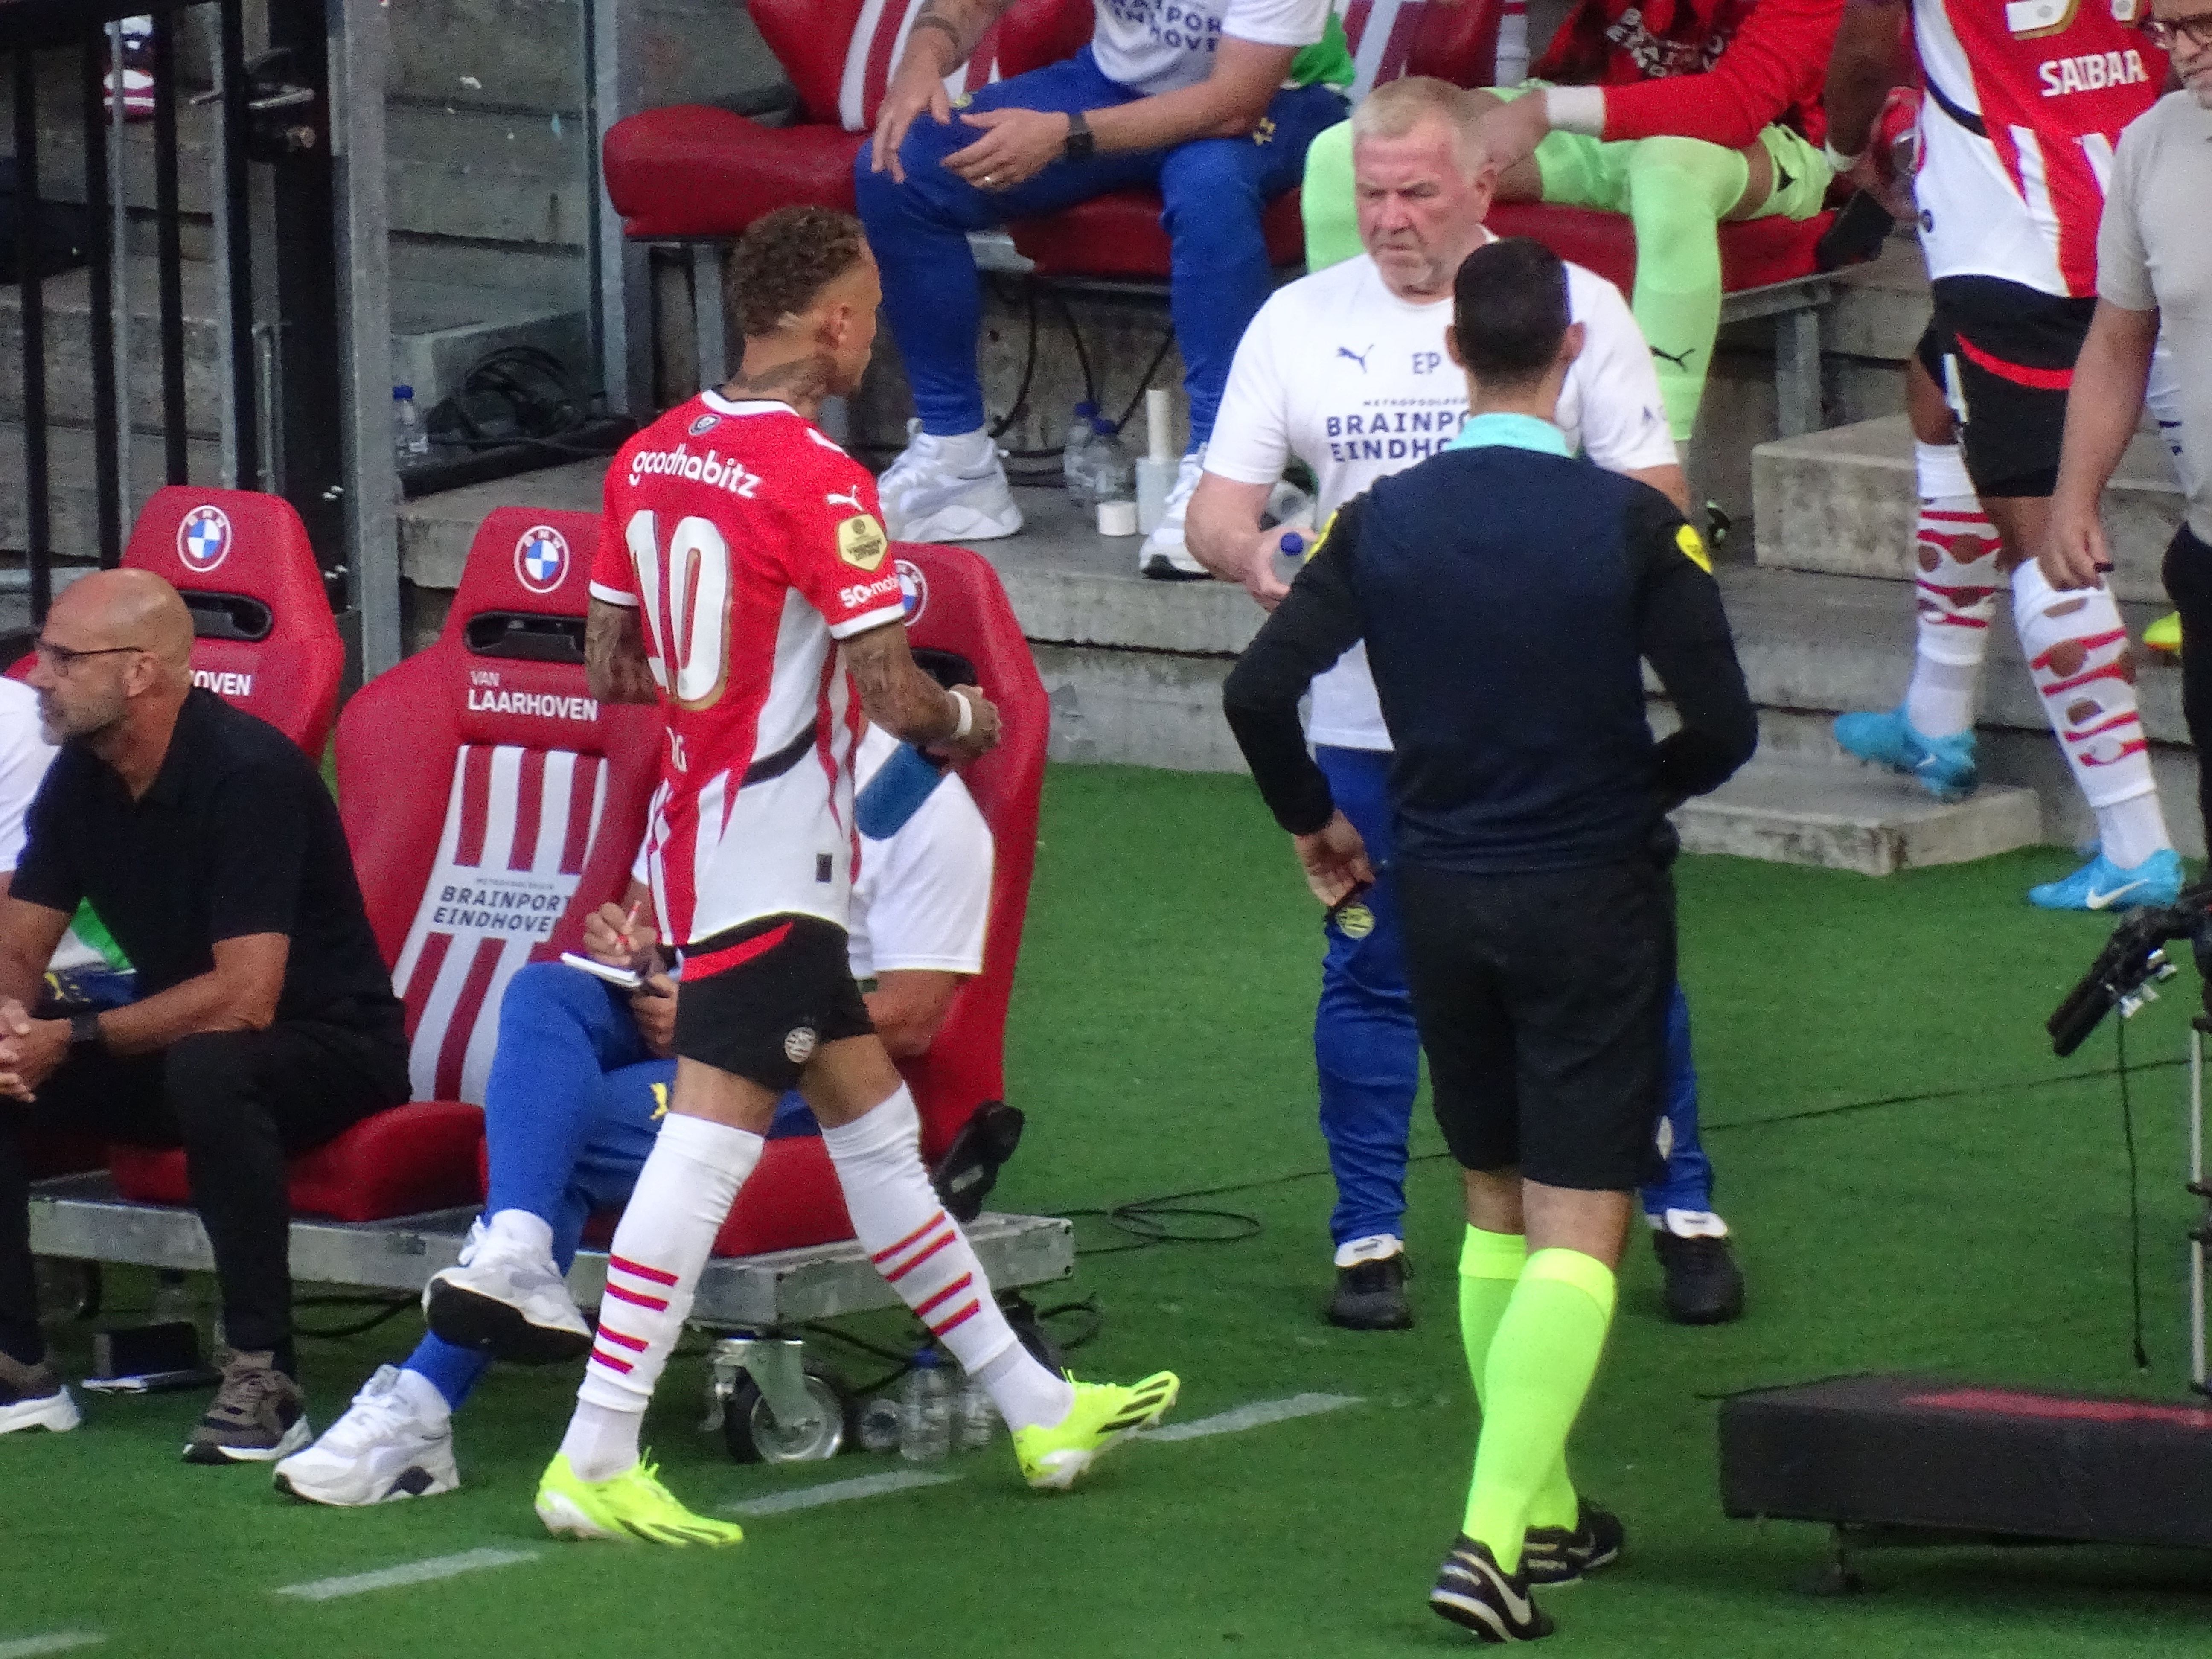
column 387, row 1310
column 1150, row 1221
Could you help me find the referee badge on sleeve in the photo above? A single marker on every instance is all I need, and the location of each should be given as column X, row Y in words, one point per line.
column 862, row 542
column 1694, row 549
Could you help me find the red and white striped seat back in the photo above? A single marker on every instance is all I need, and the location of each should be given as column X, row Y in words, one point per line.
column 519, row 827
column 1380, row 35
column 1468, row 43
column 878, row 40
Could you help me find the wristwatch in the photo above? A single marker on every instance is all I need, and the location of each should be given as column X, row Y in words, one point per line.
column 84, row 1032
column 1082, row 143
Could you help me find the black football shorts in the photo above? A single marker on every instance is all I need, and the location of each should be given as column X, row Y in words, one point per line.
column 759, row 1000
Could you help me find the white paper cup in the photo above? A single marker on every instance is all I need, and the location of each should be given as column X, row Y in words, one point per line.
column 1117, row 518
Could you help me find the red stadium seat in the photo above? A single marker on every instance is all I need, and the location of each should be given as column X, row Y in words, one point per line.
column 954, row 603
column 482, row 791
column 265, row 639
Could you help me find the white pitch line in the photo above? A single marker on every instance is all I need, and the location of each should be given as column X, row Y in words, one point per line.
column 1258, row 1414
column 64, row 1641
column 837, row 1492
column 411, row 1572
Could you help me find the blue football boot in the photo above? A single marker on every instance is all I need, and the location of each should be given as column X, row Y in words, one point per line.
column 1944, row 766
column 2101, row 885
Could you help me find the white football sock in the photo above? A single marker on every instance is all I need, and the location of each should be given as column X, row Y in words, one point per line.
column 682, row 1198
column 1954, row 549
column 923, row 1256
column 2076, row 648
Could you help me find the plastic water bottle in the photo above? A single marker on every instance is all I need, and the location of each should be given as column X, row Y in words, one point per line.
column 979, row 1417
column 1289, row 557
column 896, row 793
column 1113, row 474
column 410, row 442
column 1075, row 457
column 880, row 1421
column 925, row 1414
column 1288, row 505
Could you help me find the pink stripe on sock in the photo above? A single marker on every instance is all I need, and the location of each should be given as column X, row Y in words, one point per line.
column 904, row 1268
column 957, row 1319
column 921, row 1309
column 893, row 1249
column 608, row 1334
column 653, row 1302
column 641, row 1271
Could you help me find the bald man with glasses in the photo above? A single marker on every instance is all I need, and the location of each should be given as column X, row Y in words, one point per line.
column 265, row 1023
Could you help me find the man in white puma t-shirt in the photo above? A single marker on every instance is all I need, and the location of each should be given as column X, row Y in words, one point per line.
column 1346, row 370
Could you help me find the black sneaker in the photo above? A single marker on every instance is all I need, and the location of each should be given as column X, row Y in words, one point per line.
column 257, row 1416
column 1704, row 1284
column 32, row 1397
column 1557, row 1555
column 1475, row 1593
column 1371, row 1296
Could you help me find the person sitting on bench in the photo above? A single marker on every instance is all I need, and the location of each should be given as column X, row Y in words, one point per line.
column 578, row 1083
column 1679, row 113
column 265, row 1023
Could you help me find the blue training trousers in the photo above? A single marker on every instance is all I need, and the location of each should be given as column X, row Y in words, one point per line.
column 1214, row 189
column 1368, row 1053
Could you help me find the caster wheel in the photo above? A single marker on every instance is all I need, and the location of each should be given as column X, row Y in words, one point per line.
column 753, row 1436
column 68, row 1289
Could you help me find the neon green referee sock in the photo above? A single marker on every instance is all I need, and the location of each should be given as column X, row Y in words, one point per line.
column 1490, row 1267
column 1542, row 1354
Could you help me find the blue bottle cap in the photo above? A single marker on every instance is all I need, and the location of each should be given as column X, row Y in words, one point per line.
column 1292, row 542
column 1086, row 411
column 926, row 1359
column 406, row 392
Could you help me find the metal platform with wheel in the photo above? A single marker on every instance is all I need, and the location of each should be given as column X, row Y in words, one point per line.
column 81, row 1218
column 781, row 1406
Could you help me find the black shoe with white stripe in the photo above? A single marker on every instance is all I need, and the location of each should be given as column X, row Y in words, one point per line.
column 1474, row 1592
column 1558, row 1555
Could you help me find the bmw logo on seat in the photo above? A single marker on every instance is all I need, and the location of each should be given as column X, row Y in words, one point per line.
column 913, row 591
column 541, row 558
column 204, row 538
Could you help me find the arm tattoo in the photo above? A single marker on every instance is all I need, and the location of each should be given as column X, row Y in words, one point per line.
column 614, row 654
column 895, row 691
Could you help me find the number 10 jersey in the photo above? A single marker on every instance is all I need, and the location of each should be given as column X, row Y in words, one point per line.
column 750, row 544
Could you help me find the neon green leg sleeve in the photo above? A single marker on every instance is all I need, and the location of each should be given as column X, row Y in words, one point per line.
column 1490, row 1267
column 1542, row 1355
column 1678, row 189
column 1327, row 201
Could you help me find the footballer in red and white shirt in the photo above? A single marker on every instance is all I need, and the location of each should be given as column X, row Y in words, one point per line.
column 743, row 584
column 750, row 546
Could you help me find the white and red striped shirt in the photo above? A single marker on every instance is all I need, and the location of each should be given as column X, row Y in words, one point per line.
column 2025, row 101
column 755, row 545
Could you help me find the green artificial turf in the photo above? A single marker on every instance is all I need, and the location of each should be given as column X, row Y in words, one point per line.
column 1914, row 1182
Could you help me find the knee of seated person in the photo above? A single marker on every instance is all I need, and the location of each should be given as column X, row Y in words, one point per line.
column 541, row 989
column 1206, row 186
column 1668, row 171
column 201, row 1076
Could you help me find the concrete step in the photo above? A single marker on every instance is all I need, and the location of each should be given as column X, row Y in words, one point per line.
column 73, row 484
column 1844, row 500
column 1840, row 819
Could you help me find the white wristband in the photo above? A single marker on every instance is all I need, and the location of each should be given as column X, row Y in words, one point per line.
column 967, row 719
column 1839, row 163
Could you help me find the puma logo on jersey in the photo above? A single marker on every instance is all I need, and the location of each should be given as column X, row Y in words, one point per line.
column 848, row 498
column 1360, row 358
column 2092, row 72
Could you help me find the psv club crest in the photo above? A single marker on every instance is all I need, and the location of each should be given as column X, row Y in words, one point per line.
column 204, row 538
column 541, row 559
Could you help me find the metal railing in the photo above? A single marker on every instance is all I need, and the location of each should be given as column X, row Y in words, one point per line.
column 303, row 309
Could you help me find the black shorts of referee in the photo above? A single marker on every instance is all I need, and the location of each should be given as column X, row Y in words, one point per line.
column 1542, row 999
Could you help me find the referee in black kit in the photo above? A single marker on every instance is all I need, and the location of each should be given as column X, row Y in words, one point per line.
column 1507, row 592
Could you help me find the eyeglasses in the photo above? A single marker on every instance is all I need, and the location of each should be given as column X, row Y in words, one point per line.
column 60, row 659
column 2168, row 33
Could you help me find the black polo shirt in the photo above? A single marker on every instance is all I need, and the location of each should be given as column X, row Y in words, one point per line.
column 237, row 836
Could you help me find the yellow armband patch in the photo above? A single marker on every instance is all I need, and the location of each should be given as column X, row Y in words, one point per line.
column 1694, row 549
column 862, row 542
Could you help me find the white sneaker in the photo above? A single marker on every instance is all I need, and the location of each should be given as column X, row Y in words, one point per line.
column 506, row 1300
column 32, row 1397
column 383, row 1448
column 1163, row 557
column 948, row 490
